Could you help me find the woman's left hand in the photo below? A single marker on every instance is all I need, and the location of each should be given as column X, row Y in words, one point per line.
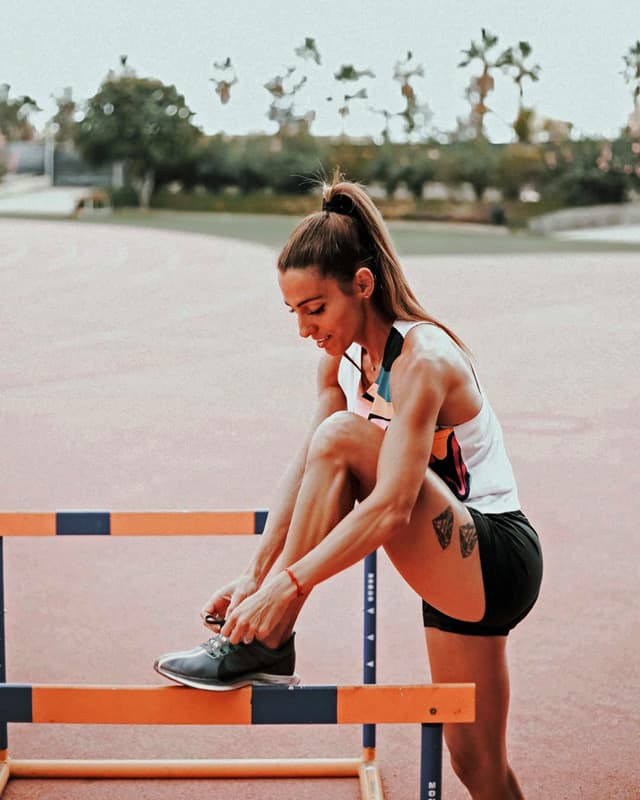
column 260, row 613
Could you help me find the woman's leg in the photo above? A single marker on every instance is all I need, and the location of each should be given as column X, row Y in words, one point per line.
column 478, row 750
column 436, row 553
column 328, row 491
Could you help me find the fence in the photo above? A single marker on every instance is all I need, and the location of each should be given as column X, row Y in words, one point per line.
column 368, row 704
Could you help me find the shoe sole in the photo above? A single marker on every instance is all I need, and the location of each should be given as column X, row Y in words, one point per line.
column 252, row 679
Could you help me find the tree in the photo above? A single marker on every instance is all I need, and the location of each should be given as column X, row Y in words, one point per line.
column 632, row 71
column 513, row 60
column 15, row 125
column 520, row 163
column 284, row 88
column 224, row 79
column 63, row 122
column 415, row 115
column 386, row 168
column 349, row 74
column 140, row 121
column 481, row 85
column 420, row 171
column 475, row 162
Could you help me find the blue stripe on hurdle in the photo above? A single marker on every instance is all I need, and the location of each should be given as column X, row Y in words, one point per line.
column 298, row 705
column 15, row 703
column 83, row 523
column 260, row 520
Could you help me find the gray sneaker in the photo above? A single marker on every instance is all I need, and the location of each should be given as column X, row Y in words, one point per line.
column 218, row 665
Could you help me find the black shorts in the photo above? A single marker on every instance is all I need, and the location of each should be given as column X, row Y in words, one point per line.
column 511, row 561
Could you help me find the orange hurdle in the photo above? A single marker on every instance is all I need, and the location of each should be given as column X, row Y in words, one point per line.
column 369, row 704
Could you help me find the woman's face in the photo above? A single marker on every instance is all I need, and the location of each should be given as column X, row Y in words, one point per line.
column 325, row 312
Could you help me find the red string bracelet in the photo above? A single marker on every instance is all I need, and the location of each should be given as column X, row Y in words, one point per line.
column 294, row 581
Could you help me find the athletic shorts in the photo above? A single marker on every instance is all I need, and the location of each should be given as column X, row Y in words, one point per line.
column 511, row 561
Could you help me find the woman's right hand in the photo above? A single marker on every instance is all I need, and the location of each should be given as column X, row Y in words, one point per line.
column 222, row 602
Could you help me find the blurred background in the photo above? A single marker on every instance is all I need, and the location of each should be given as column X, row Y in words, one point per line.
column 489, row 113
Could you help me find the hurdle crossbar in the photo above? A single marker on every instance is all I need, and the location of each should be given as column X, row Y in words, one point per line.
column 132, row 523
column 370, row 704
column 429, row 705
column 252, row 705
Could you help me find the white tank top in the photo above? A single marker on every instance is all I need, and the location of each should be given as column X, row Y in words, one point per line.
column 470, row 458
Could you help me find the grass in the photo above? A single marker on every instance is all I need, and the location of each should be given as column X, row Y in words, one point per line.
column 411, row 238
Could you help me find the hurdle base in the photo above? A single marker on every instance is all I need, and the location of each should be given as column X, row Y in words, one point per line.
column 366, row 769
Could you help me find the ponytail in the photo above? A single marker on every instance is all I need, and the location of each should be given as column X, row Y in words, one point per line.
column 350, row 233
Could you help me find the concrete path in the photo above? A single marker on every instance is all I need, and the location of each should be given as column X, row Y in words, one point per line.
column 146, row 369
column 610, row 233
column 54, row 202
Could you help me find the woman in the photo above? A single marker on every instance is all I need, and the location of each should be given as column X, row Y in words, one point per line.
column 404, row 452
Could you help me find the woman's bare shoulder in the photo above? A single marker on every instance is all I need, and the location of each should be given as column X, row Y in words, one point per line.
column 431, row 346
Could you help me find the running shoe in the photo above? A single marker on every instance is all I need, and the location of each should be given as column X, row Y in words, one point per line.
column 218, row 665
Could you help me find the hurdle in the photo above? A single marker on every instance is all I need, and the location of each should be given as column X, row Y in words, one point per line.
column 369, row 704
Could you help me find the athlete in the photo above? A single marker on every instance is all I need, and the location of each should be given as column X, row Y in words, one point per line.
column 406, row 453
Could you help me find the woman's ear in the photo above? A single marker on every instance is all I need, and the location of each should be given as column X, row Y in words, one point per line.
column 364, row 282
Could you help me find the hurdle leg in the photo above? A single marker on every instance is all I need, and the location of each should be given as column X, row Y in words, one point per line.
column 4, row 772
column 369, row 645
column 431, row 762
column 4, row 743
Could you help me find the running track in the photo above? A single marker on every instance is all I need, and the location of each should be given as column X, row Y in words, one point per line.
column 145, row 369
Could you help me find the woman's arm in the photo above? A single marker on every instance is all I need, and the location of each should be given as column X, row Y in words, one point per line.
column 419, row 386
column 330, row 399
column 223, row 601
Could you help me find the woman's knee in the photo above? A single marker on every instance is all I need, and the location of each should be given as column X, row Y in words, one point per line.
column 335, row 437
column 478, row 764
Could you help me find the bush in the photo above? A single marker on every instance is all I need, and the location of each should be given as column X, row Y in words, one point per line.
column 519, row 164
column 126, row 197
column 297, row 167
column 214, row 163
column 475, row 162
column 585, row 187
column 421, row 170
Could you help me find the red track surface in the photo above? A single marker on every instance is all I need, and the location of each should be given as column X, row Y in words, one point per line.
column 146, row 370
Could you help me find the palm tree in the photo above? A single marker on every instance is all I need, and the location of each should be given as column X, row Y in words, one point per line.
column 513, row 61
column 416, row 115
column 349, row 74
column 284, row 88
column 224, row 79
column 481, row 85
column 631, row 75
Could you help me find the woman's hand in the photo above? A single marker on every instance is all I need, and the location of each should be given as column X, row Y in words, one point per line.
column 258, row 615
column 226, row 599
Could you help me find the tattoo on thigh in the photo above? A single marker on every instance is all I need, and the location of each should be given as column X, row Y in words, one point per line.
column 443, row 526
column 468, row 539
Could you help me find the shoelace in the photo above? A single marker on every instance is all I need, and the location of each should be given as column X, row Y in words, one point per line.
column 218, row 646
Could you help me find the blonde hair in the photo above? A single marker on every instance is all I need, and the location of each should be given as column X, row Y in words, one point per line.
column 340, row 243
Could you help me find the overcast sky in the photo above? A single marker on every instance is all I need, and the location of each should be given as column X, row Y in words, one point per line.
column 47, row 45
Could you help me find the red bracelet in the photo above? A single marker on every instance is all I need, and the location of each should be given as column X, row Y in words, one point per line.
column 294, row 580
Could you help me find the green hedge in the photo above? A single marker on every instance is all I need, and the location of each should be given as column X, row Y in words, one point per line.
column 263, row 174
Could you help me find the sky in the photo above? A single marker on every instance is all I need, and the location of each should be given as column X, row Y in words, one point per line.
column 47, row 46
